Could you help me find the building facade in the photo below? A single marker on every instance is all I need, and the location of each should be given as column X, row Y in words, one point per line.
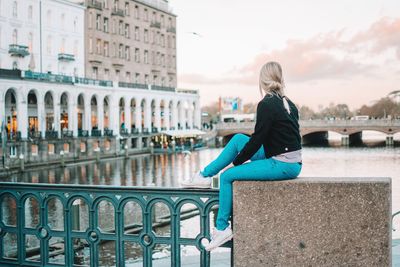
column 131, row 41
column 42, row 36
column 48, row 114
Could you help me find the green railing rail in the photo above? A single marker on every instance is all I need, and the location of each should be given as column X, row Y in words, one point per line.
column 15, row 197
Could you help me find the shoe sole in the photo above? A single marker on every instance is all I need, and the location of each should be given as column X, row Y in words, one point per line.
column 226, row 239
column 196, row 186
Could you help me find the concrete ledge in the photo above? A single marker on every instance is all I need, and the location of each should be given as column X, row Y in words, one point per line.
column 313, row 222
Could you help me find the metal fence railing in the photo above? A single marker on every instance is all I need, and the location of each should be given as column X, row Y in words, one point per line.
column 78, row 225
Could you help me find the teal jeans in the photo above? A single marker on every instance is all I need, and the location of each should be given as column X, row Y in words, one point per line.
column 258, row 169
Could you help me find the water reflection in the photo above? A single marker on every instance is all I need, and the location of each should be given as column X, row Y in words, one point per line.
column 145, row 170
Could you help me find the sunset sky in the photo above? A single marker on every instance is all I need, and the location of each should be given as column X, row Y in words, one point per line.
column 331, row 51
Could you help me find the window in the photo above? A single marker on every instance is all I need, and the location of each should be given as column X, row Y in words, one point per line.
column 98, row 22
column 121, row 27
column 173, row 41
column 169, row 41
column 146, row 79
column 15, row 36
column 127, row 8
column 106, row 49
column 30, row 42
column 14, row 12
column 154, row 17
column 75, row 23
column 158, row 59
column 76, row 48
column 137, row 77
column 114, row 26
column 162, row 21
column 30, row 12
column 62, row 21
column 146, row 36
column 106, row 74
column 146, row 57
column 162, row 81
column 117, row 72
column 49, row 44
column 90, row 45
column 173, row 61
column 158, row 38
column 90, row 20
column 155, row 79
column 116, row 4
column 146, row 14
column 105, row 24
column 121, row 51
column 153, row 37
column 48, row 17
column 127, row 35
column 98, row 46
column 163, row 60
column 137, row 55
column 95, row 72
column 83, row 147
column 128, row 77
column 137, row 12
column 169, row 22
column 153, row 58
column 127, row 53
column 137, row 35
column 62, row 48
column 34, row 150
column 50, row 149
column 162, row 40
column 66, row 148
column 105, row 4
column 13, row 151
column 114, row 50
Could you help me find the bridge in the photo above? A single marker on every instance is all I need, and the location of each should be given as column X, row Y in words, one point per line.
column 314, row 130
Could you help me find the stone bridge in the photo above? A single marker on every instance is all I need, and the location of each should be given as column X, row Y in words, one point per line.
column 318, row 129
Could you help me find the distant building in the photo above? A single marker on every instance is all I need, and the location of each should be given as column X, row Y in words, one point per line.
column 42, row 36
column 230, row 105
column 131, row 41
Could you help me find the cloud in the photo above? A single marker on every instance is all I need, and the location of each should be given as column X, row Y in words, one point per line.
column 323, row 57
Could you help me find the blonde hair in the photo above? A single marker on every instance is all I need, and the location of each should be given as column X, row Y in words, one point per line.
column 272, row 83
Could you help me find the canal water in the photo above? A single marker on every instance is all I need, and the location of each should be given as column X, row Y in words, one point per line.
column 370, row 159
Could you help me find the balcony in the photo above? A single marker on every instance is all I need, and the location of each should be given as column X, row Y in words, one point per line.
column 18, row 50
column 10, row 74
column 155, row 25
column 134, row 131
column 14, row 136
column 108, row 132
column 117, row 12
column 79, row 80
column 96, row 133
column 67, row 134
column 66, row 57
column 35, row 135
column 83, row 133
column 133, row 85
column 145, row 130
column 95, row 4
column 187, row 91
column 154, row 130
column 162, row 88
column 51, row 134
column 124, row 132
column 171, row 29
column 159, row 207
column 48, row 77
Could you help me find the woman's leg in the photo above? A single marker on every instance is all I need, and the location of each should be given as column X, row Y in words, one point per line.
column 258, row 170
column 228, row 154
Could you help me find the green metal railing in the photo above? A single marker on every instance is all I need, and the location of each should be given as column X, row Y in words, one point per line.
column 15, row 197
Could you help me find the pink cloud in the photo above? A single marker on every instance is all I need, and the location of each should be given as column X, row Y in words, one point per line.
column 317, row 58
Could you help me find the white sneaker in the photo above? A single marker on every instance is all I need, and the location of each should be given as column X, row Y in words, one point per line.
column 219, row 238
column 197, row 181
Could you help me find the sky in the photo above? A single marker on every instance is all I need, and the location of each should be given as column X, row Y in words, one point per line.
column 331, row 51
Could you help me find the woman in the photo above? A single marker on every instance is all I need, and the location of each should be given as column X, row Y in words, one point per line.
column 274, row 150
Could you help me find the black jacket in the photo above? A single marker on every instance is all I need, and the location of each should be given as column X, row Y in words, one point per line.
column 276, row 129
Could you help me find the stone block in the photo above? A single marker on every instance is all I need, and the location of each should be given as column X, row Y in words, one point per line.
column 313, row 222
